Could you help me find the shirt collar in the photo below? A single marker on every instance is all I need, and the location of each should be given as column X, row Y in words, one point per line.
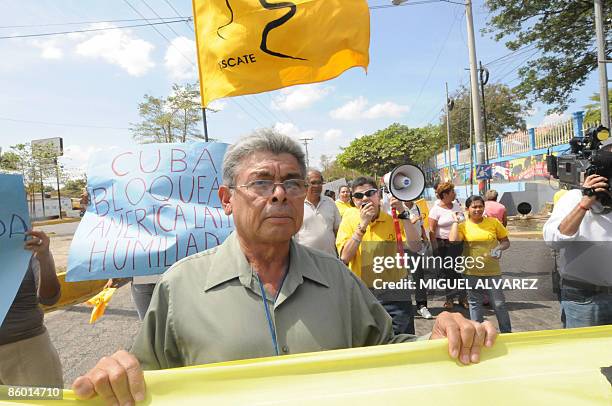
column 229, row 262
column 382, row 216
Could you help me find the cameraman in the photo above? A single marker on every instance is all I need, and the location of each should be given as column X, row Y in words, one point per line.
column 576, row 228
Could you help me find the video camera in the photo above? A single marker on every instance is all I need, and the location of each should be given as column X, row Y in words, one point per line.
column 585, row 158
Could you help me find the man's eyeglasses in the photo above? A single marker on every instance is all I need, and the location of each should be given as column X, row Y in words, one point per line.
column 367, row 193
column 265, row 188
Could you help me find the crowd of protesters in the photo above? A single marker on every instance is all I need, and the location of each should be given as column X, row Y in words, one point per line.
column 331, row 235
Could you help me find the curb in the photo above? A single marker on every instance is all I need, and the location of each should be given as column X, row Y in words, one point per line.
column 527, row 234
column 53, row 222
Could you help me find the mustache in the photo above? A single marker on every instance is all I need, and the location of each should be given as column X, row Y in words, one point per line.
column 279, row 212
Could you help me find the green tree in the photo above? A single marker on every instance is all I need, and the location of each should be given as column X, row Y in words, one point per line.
column 74, row 187
column 378, row 153
column 158, row 122
column 171, row 119
column 10, row 161
column 37, row 165
column 505, row 112
column 593, row 111
column 185, row 102
column 556, row 40
column 332, row 170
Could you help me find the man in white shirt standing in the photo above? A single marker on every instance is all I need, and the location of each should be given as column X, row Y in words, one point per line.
column 581, row 229
column 321, row 217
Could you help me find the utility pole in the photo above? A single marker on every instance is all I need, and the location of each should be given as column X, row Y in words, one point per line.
column 471, row 151
column 601, row 62
column 476, row 107
column 42, row 190
column 448, row 108
column 305, row 142
column 484, row 79
column 204, row 123
column 59, row 196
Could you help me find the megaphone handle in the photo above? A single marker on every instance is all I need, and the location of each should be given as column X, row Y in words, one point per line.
column 398, row 235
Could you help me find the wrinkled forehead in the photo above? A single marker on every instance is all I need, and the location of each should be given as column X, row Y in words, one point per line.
column 267, row 165
column 314, row 175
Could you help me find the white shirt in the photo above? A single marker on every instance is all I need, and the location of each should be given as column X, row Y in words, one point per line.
column 444, row 217
column 587, row 255
column 320, row 225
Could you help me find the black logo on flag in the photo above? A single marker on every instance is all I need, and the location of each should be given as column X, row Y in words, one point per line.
column 270, row 26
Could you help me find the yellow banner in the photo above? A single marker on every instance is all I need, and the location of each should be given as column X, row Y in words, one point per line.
column 252, row 46
column 555, row 367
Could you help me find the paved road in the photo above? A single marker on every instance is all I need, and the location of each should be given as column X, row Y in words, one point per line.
column 80, row 344
column 60, row 230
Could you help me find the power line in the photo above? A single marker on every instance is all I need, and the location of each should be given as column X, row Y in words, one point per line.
column 436, row 61
column 187, row 59
column 516, row 67
column 177, row 13
column 62, row 124
column 89, row 22
column 265, row 109
column 517, row 52
column 414, row 3
column 46, row 34
column 154, row 12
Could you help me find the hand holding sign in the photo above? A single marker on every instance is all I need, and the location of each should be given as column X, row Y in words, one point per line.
column 38, row 244
column 14, row 222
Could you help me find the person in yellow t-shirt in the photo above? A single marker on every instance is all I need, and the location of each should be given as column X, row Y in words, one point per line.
column 344, row 199
column 366, row 236
column 484, row 240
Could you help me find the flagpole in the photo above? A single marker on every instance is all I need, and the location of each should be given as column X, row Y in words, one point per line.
column 204, row 123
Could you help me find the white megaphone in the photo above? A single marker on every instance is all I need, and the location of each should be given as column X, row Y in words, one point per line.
column 406, row 182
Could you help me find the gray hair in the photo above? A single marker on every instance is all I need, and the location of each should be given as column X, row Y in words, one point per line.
column 310, row 170
column 264, row 140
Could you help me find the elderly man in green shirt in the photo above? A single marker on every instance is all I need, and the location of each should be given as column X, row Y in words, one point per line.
column 260, row 293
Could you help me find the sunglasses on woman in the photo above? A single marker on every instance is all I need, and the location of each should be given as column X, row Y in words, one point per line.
column 367, row 193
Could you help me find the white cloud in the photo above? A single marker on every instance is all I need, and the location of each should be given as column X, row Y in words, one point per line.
column 351, row 110
column 358, row 108
column 332, row 134
column 119, row 47
column 326, row 142
column 299, row 97
column 289, row 129
column 217, row 105
column 49, row 49
column 386, row 109
column 76, row 157
column 180, row 59
column 553, row 118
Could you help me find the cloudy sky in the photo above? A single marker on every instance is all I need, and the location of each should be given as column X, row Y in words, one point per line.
column 85, row 87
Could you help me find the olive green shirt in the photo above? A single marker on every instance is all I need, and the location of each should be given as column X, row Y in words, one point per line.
column 209, row 308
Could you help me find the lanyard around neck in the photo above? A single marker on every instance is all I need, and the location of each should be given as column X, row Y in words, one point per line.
column 268, row 316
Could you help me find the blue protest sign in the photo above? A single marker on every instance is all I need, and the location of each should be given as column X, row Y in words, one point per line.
column 150, row 206
column 14, row 222
column 483, row 172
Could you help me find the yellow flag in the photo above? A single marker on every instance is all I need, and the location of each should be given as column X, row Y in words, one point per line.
column 252, row 46
column 99, row 303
